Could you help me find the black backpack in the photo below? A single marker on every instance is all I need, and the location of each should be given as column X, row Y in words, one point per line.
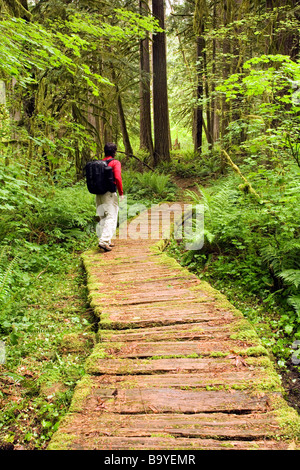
column 100, row 177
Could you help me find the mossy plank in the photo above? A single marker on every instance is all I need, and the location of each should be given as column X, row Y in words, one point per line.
column 155, row 314
column 179, row 331
column 169, row 400
column 240, row 378
column 200, row 425
column 98, row 365
column 148, row 349
column 91, row 441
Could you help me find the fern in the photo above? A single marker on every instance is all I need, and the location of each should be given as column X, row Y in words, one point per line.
column 291, row 277
column 282, row 259
column 294, row 301
column 220, row 209
column 158, row 184
column 6, row 274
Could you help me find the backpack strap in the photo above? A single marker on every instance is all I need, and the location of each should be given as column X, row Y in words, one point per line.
column 108, row 161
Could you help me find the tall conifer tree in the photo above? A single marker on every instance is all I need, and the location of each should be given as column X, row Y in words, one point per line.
column 160, row 90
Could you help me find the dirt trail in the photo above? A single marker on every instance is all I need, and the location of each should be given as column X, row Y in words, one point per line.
column 176, row 366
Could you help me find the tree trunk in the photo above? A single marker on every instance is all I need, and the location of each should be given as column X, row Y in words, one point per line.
column 199, row 108
column 226, row 68
column 287, row 41
column 122, row 121
column 160, row 91
column 146, row 141
column 214, row 106
column 121, row 115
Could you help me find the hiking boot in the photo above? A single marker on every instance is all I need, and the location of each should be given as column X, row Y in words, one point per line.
column 104, row 246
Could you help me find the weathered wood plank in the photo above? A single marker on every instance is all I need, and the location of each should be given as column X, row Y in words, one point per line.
column 94, row 442
column 219, row 426
column 166, row 400
column 97, row 366
column 237, row 377
column 170, row 348
column 168, row 313
column 182, row 332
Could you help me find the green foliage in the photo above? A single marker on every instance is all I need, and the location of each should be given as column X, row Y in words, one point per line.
column 38, row 211
column 254, row 245
column 265, row 96
column 26, row 45
column 6, row 274
column 151, row 186
column 188, row 164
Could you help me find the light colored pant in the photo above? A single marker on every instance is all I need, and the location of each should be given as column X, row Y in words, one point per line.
column 107, row 209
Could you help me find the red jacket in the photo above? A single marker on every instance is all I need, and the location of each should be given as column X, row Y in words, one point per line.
column 116, row 165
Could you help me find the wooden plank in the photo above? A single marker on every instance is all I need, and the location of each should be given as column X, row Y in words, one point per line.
column 217, row 425
column 155, row 314
column 167, row 400
column 243, row 378
column 182, row 331
column 162, row 309
column 94, row 442
column 150, row 298
column 97, row 366
column 170, row 348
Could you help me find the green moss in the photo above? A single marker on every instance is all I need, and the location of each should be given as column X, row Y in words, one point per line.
column 104, row 335
column 176, row 356
column 82, row 391
column 256, row 351
column 218, row 354
column 61, row 441
column 288, row 420
column 227, row 444
column 163, row 435
column 80, row 342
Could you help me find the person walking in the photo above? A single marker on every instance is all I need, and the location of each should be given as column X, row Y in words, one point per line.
column 107, row 205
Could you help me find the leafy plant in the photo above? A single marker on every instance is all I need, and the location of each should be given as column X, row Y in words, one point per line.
column 6, row 274
column 254, row 241
column 265, row 96
column 149, row 185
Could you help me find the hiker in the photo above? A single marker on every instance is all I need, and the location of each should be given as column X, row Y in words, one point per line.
column 107, row 205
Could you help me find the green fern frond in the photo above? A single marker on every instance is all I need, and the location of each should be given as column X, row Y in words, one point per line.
column 291, row 277
column 285, row 258
column 5, row 279
column 3, row 252
column 218, row 204
column 271, row 256
column 294, row 301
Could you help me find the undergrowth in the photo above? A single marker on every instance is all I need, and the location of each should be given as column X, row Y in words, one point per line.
column 46, row 326
column 251, row 251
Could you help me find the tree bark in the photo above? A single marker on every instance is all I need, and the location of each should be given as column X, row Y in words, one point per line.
column 146, row 141
column 226, row 69
column 121, row 115
column 160, row 90
column 199, row 108
column 122, row 121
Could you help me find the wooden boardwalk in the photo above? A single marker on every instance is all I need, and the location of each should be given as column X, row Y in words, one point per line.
column 176, row 366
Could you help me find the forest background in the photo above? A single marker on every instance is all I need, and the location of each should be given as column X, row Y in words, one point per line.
column 205, row 93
